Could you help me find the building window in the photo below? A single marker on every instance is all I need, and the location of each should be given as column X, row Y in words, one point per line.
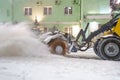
column 47, row 10
column 68, row 10
column 68, row 30
column 27, row 11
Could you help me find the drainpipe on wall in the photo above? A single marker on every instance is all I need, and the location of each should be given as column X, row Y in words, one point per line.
column 81, row 13
column 12, row 11
column 80, row 9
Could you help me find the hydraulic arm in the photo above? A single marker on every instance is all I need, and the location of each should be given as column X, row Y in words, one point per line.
column 85, row 41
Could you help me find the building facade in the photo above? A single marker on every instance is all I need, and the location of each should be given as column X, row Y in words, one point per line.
column 65, row 15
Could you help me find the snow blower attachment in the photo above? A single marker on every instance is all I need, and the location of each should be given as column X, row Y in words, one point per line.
column 57, row 42
column 106, row 47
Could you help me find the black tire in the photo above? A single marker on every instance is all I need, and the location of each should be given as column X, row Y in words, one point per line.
column 59, row 47
column 109, row 48
column 95, row 47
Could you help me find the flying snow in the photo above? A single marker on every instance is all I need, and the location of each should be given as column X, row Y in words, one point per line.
column 18, row 40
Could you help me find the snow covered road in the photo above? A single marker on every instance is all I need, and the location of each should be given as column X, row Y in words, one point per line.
column 58, row 68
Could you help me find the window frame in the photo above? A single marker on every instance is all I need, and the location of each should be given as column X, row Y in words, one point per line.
column 28, row 11
column 47, row 10
column 68, row 10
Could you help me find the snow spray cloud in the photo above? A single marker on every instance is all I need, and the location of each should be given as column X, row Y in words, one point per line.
column 18, row 40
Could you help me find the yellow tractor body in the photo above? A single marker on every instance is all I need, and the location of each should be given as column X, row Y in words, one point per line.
column 117, row 28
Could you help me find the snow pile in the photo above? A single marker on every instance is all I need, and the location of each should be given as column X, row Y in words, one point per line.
column 18, row 40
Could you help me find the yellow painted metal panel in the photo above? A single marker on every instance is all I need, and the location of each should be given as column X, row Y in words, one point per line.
column 117, row 28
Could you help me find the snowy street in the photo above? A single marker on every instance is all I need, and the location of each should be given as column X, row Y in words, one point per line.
column 24, row 57
column 55, row 67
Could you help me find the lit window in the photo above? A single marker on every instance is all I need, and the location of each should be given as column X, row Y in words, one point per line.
column 68, row 30
column 47, row 10
column 68, row 10
column 27, row 11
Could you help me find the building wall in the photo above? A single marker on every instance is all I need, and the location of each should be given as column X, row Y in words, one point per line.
column 96, row 7
column 57, row 14
column 5, row 11
column 13, row 11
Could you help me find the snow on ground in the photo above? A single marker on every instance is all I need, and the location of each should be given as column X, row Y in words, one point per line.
column 24, row 57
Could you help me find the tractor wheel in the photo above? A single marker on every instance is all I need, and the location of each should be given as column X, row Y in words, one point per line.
column 95, row 47
column 109, row 48
column 58, row 46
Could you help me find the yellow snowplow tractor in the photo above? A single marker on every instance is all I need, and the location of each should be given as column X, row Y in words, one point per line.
column 107, row 47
